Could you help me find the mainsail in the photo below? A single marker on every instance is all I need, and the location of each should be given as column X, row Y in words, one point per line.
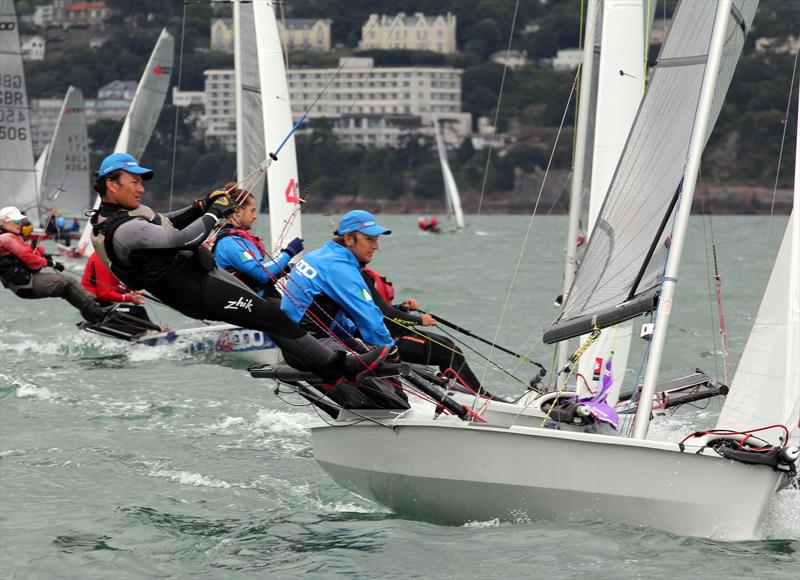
column 619, row 85
column 282, row 181
column 250, row 150
column 65, row 173
column 620, row 274
column 450, row 188
column 149, row 98
column 143, row 114
column 17, row 173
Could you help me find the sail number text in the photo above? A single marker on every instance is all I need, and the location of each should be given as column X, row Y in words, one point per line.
column 12, row 95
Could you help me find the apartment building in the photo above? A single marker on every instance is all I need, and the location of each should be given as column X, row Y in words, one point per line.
column 375, row 106
column 366, row 105
column 305, row 34
column 417, row 32
column 219, row 118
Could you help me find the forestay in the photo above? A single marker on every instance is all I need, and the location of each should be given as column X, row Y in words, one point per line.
column 17, row 173
column 66, row 166
column 282, row 183
column 619, row 275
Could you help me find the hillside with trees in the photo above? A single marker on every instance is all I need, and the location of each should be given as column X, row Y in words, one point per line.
column 742, row 153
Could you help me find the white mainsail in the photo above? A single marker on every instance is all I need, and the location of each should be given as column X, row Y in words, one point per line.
column 621, row 271
column 39, row 166
column 620, row 86
column 766, row 388
column 17, row 172
column 143, row 113
column 282, row 180
column 66, row 167
column 149, row 98
column 250, row 150
column 450, row 188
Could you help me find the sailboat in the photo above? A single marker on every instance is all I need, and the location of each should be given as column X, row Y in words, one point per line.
column 142, row 115
column 62, row 169
column 456, row 468
column 452, row 197
column 262, row 121
column 17, row 172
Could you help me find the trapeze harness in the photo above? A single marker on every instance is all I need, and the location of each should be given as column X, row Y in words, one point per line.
column 256, row 285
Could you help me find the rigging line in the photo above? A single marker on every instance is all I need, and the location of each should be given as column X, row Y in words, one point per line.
column 497, row 110
column 429, row 337
column 177, row 111
column 708, row 281
column 785, row 122
column 498, row 368
column 533, row 215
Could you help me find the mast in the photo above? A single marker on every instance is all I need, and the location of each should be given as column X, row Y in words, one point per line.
column 670, row 280
column 237, row 74
column 792, row 370
column 576, row 186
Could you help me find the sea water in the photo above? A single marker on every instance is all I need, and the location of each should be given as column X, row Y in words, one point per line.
column 121, row 461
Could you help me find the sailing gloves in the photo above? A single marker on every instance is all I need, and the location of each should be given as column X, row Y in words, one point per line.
column 205, row 204
column 57, row 266
column 221, row 206
column 294, row 247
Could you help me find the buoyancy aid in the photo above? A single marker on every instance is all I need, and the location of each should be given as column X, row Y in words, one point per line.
column 13, row 271
column 258, row 243
column 146, row 266
column 382, row 285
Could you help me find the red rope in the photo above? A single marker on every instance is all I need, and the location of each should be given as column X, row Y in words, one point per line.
column 747, row 435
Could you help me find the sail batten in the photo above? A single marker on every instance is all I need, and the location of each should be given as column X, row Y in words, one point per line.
column 652, row 166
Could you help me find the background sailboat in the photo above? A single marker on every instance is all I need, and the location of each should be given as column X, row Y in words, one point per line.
column 258, row 60
column 65, row 161
column 452, row 197
column 17, row 173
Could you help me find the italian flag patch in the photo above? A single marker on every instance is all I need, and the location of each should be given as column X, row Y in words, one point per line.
column 364, row 294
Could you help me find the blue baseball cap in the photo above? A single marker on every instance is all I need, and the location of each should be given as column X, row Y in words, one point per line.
column 126, row 163
column 360, row 221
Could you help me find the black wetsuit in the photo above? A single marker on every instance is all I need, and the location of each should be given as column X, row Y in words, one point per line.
column 163, row 255
column 419, row 346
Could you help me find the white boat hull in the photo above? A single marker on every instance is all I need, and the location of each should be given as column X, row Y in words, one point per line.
column 452, row 472
column 225, row 339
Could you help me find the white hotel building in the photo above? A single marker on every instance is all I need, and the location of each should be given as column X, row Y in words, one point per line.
column 366, row 105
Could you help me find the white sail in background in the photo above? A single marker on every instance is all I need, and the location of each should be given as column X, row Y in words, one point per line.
column 250, row 150
column 17, row 173
column 450, row 187
column 149, row 99
column 39, row 166
column 66, row 167
column 766, row 388
column 143, row 114
column 619, row 90
column 282, row 181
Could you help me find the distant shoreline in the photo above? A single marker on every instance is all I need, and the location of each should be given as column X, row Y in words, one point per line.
column 716, row 200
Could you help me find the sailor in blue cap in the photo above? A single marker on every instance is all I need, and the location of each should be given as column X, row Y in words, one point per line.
column 163, row 253
column 326, row 291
